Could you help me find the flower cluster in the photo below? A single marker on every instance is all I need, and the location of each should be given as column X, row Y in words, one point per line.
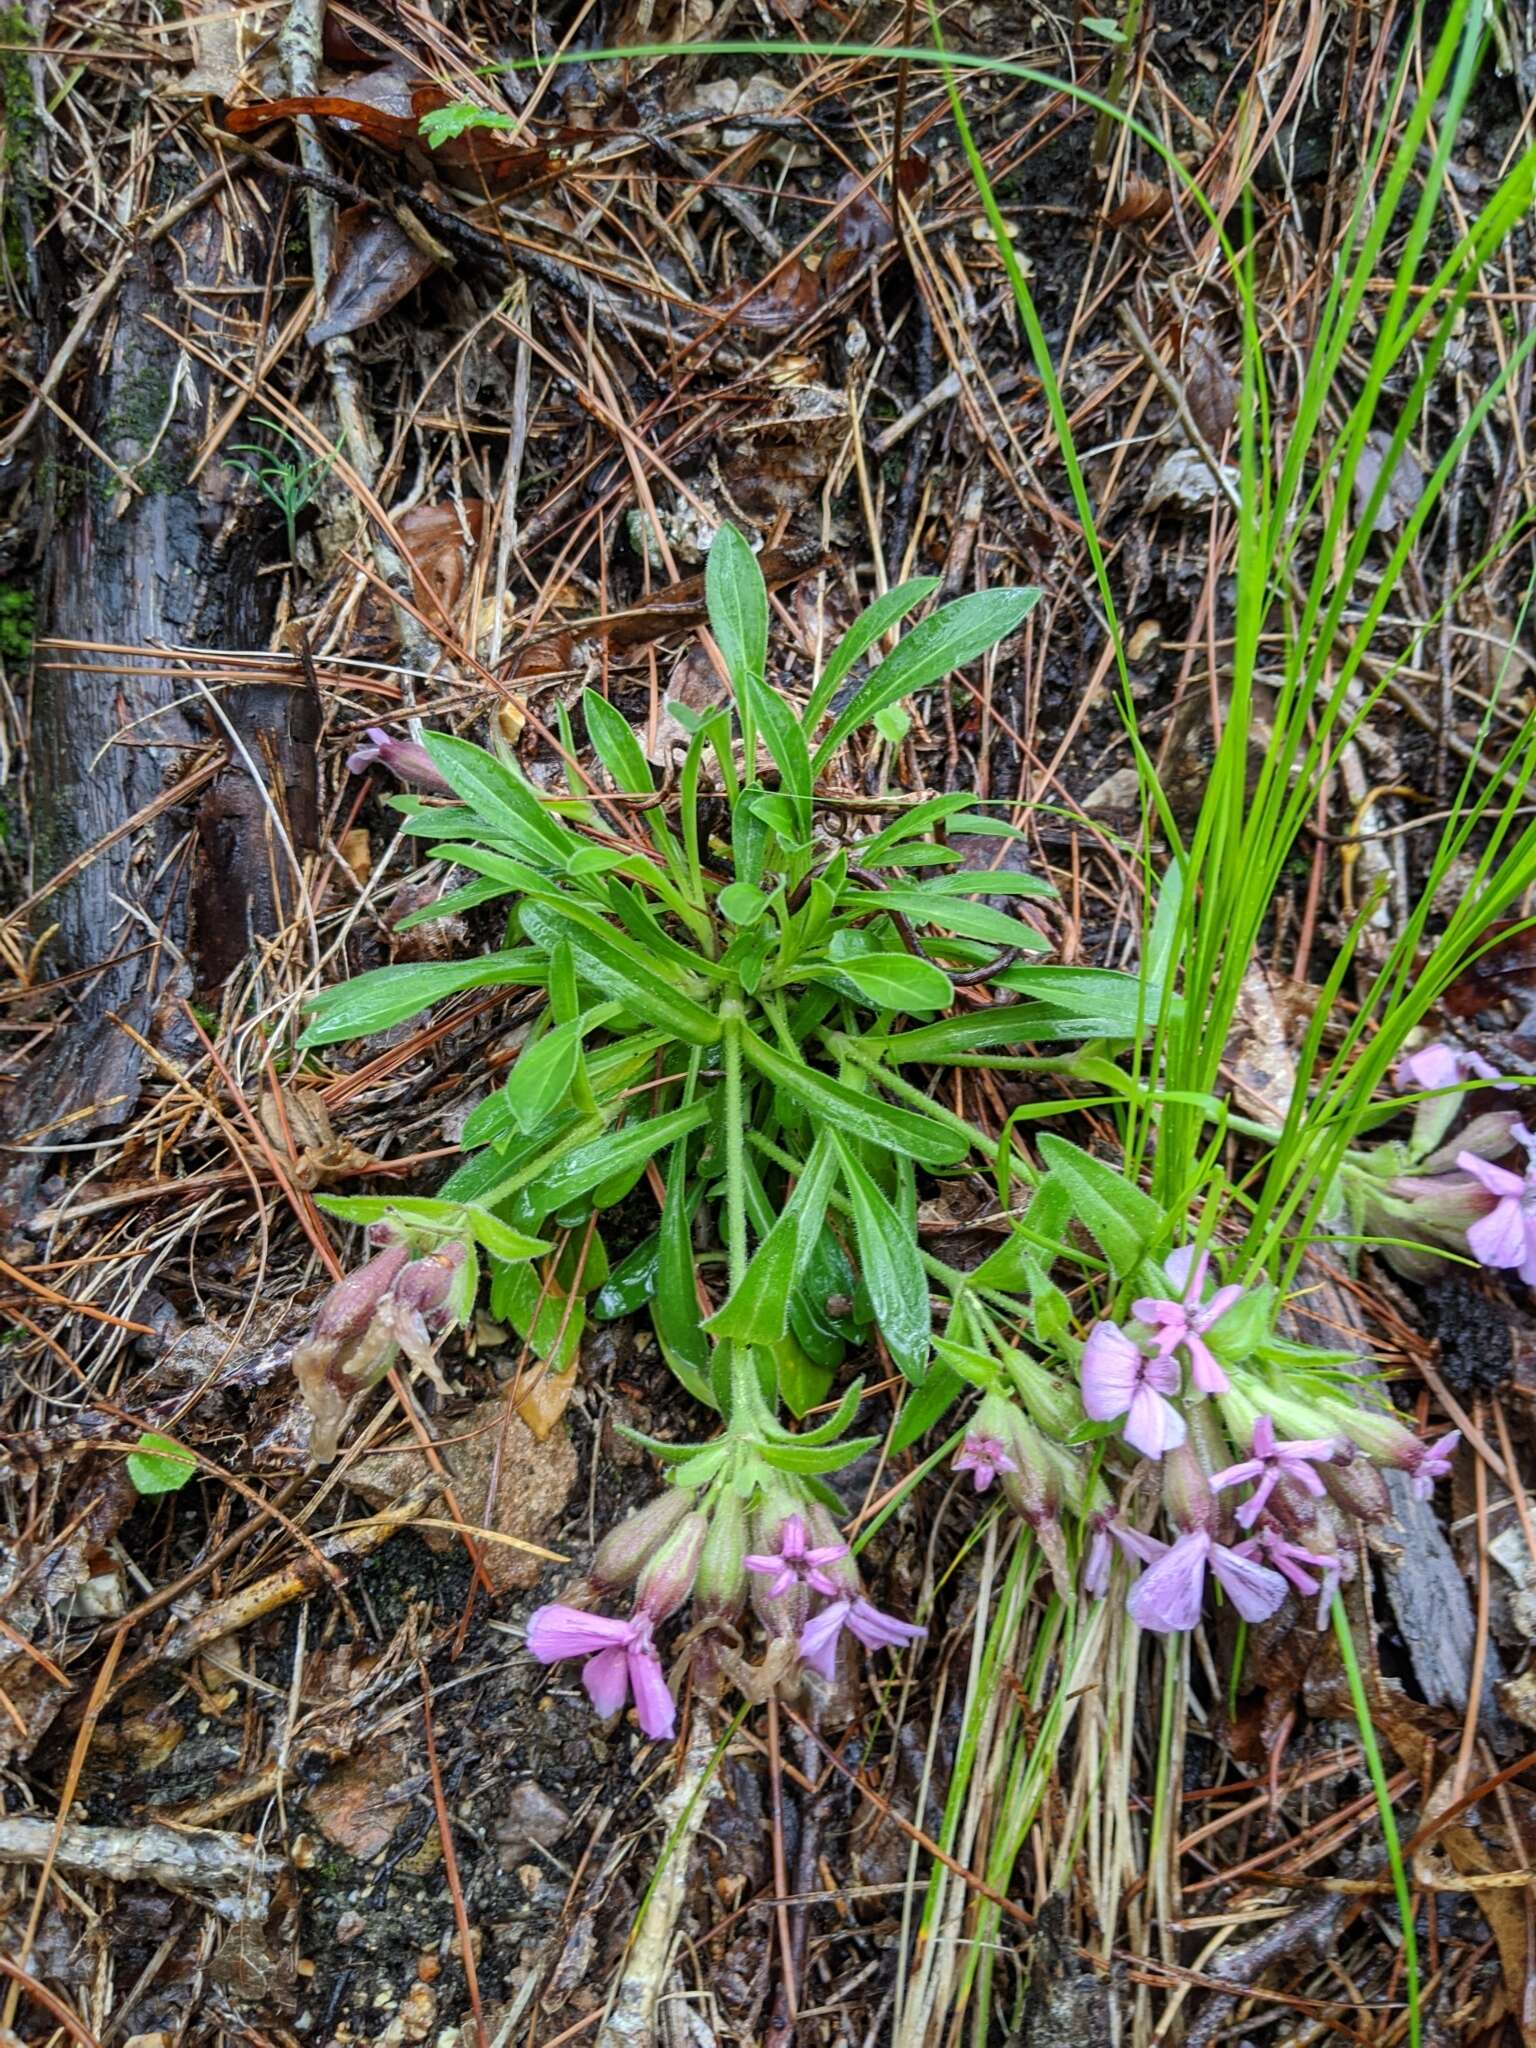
column 1437, row 1194
column 804, row 1586
column 1175, row 1382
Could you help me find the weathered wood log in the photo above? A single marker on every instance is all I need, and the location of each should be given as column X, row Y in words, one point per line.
column 170, row 909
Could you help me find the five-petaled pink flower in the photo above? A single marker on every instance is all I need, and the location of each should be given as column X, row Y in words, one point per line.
column 620, row 1659
column 1271, row 1460
column 1443, row 1066
column 1297, row 1565
column 1183, row 1322
column 985, row 1458
column 1169, row 1595
column 1119, row 1379
column 797, row 1563
column 875, row 1630
column 1506, row 1236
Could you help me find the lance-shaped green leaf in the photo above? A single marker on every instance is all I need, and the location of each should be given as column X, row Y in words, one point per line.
column 618, row 966
column 758, row 1309
column 955, row 635
column 675, row 1303
column 614, row 1153
column 891, row 1268
column 737, row 598
column 616, row 746
column 872, row 624
column 868, row 1117
column 373, row 1002
column 499, row 795
column 892, row 981
column 1120, row 1216
column 432, row 1213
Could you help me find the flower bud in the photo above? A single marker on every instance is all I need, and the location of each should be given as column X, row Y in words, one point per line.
column 667, row 1580
column 720, row 1584
column 1187, row 1492
column 1355, row 1485
column 350, row 1345
column 618, row 1559
column 348, row 1308
column 406, row 759
column 426, row 1283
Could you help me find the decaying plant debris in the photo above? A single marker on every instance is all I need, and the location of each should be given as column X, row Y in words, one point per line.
column 339, row 419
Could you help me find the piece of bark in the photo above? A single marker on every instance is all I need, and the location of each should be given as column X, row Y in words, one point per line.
column 226, row 1872
column 1428, row 1597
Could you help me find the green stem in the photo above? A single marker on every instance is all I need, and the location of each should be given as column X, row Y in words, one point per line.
column 732, row 1018
column 1389, row 1832
column 906, row 1091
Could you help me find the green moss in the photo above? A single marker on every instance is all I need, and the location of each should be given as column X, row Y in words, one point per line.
column 136, row 424
column 16, row 95
column 18, row 608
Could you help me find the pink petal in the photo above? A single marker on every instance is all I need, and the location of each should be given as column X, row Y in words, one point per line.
column 1111, row 1368
column 606, row 1677
column 792, row 1538
column 826, row 1553
column 1498, row 1239
column 1205, row 1372
column 818, row 1639
column 1237, row 1475
column 1152, row 1426
column 1498, row 1180
column 1434, row 1066
column 1181, row 1266
column 1156, row 1313
column 1136, row 1543
column 1219, row 1303
column 557, row 1631
column 877, row 1630
column 1254, row 1590
column 655, row 1708
column 1168, row 1595
column 1161, row 1373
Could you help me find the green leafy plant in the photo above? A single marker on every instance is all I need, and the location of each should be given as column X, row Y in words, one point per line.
column 462, row 117
column 733, row 1000
column 289, row 479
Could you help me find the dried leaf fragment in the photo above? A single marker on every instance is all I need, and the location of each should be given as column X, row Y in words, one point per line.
column 377, row 263
column 1183, row 481
column 1403, row 491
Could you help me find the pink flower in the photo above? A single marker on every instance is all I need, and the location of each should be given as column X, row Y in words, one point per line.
column 1431, row 1463
column 1297, row 1565
column 1443, row 1066
column 794, row 1563
column 1119, row 1379
column 876, row 1631
column 1169, row 1595
column 620, row 1659
column 1269, row 1462
column 407, row 760
column 1506, row 1236
column 1186, row 1320
column 985, row 1457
